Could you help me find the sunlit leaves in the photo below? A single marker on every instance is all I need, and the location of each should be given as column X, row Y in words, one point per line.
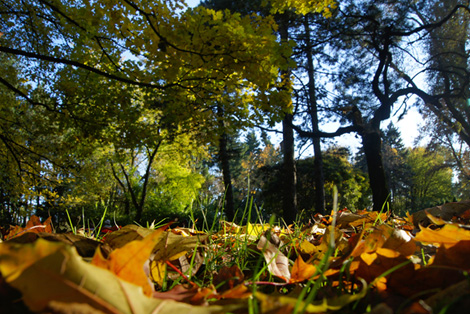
column 128, row 261
column 382, row 261
column 303, row 7
column 132, row 73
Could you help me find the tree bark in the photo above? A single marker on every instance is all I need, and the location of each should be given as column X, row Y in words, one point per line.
column 224, row 159
column 289, row 203
column 319, row 176
column 372, row 143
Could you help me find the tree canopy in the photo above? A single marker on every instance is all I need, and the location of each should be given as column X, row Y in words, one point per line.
column 122, row 102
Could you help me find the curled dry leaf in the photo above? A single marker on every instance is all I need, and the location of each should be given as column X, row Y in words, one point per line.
column 278, row 263
column 121, row 237
column 174, row 247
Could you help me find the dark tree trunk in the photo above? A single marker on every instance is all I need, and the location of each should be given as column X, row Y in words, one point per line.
column 313, row 110
column 372, row 143
column 224, row 159
column 289, row 204
column 289, row 193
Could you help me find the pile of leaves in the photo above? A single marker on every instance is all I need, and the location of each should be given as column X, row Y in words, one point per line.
column 343, row 263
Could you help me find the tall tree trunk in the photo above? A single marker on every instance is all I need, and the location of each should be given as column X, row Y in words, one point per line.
column 289, row 204
column 372, row 143
column 289, row 193
column 313, row 110
column 224, row 159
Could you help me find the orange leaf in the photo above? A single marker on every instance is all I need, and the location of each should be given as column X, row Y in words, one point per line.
column 237, row 292
column 448, row 235
column 302, row 271
column 33, row 225
column 128, row 262
column 455, row 256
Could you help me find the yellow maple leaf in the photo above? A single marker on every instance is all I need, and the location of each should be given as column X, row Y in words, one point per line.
column 128, row 262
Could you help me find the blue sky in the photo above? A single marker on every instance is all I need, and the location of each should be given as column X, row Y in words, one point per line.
column 192, row 3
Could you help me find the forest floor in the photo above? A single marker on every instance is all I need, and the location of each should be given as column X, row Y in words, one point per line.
column 363, row 262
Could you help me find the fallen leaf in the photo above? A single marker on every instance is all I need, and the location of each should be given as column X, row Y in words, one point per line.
column 448, row 235
column 86, row 247
column 302, row 271
column 445, row 211
column 278, row 263
column 34, row 225
column 52, row 273
column 126, row 234
column 271, row 303
column 172, row 248
column 128, row 261
column 228, row 277
column 456, row 256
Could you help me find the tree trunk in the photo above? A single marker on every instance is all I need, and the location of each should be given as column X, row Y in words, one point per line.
column 372, row 143
column 224, row 159
column 313, row 110
column 289, row 204
column 289, row 193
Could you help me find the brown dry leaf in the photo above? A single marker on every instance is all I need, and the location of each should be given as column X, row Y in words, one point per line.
column 384, row 236
column 68, row 278
column 278, row 263
column 368, row 218
column 193, row 295
column 126, row 234
column 445, row 211
column 448, row 235
column 345, row 218
column 274, row 303
column 409, row 281
column 173, row 248
column 128, row 261
column 238, row 292
column 188, row 265
column 456, row 256
column 86, row 247
column 174, row 245
column 373, row 264
column 399, row 240
column 228, row 277
column 306, row 247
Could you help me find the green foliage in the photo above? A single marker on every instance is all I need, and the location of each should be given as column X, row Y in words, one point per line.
column 431, row 178
column 106, row 83
column 302, row 6
column 353, row 192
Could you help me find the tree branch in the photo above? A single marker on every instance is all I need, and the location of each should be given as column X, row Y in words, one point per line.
column 33, row 55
